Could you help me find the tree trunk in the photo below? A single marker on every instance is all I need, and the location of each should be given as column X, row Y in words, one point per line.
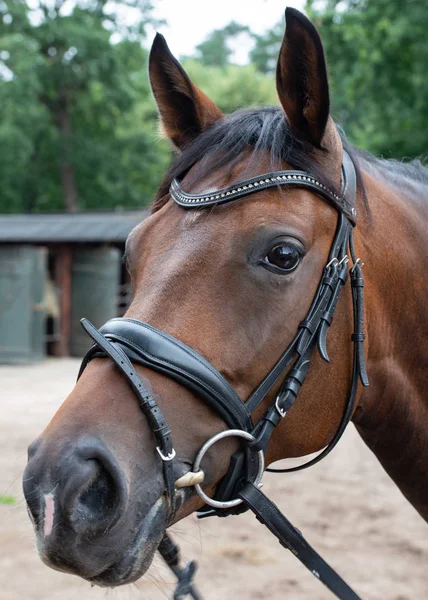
column 67, row 174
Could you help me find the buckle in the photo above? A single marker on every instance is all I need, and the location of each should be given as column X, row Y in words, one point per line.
column 359, row 263
column 334, row 261
column 280, row 410
column 168, row 457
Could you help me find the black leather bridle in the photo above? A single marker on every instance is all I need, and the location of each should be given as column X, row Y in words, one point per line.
column 128, row 341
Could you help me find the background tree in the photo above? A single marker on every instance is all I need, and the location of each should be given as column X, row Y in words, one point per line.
column 233, row 86
column 378, row 56
column 216, row 50
column 264, row 54
column 68, row 92
column 79, row 127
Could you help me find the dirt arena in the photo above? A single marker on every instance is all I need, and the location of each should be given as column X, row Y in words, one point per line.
column 346, row 507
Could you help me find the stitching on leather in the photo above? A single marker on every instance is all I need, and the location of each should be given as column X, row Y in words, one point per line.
column 182, row 371
column 185, row 348
column 270, row 521
column 272, row 377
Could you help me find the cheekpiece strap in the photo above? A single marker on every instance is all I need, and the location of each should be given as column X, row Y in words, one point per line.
column 148, row 404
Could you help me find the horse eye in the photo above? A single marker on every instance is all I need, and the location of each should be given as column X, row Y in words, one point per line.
column 284, row 257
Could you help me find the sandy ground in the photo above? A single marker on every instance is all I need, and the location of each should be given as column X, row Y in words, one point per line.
column 346, row 506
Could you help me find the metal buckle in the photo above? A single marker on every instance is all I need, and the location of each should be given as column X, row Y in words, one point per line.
column 168, row 457
column 280, row 410
column 334, row 261
column 197, row 464
column 345, row 260
column 357, row 262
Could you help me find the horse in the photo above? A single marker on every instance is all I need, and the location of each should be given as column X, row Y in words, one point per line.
column 248, row 242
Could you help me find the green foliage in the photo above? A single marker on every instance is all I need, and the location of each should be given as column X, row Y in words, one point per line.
column 215, row 51
column 378, row 55
column 231, row 86
column 68, row 98
column 234, row 86
column 79, row 125
column 7, row 500
column 264, row 54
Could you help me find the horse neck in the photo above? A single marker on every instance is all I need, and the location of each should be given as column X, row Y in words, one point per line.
column 392, row 413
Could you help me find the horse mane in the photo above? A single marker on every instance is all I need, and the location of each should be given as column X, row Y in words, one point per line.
column 257, row 129
column 407, row 176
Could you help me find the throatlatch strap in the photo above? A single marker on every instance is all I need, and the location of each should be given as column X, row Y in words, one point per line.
column 358, row 336
column 289, row 537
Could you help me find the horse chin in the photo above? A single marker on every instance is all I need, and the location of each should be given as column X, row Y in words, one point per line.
column 138, row 557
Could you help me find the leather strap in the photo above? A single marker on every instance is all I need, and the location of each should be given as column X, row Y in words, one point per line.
column 259, row 183
column 349, row 182
column 327, row 316
column 171, row 555
column 338, row 251
column 148, row 404
column 291, row 538
column 358, row 371
column 150, row 347
column 358, row 337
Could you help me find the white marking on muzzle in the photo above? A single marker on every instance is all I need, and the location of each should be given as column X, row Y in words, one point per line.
column 49, row 513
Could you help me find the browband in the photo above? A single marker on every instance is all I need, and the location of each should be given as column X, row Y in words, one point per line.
column 262, row 182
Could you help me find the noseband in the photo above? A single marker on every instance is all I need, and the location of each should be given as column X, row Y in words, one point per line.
column 128, row 341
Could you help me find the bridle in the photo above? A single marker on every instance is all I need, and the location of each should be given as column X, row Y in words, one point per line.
column 127, row 341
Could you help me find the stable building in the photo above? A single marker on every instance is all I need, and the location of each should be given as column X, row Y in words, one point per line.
column 54, row 270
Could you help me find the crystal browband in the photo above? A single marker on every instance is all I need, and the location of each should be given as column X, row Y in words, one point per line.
column 256, row 184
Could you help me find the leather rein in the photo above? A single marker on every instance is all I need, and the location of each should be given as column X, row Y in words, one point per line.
column 128, row 341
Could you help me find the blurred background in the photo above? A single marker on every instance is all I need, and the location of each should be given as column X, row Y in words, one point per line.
column 80, row 153
column 80, row 160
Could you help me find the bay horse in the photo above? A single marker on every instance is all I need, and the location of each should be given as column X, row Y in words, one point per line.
column 253, row 235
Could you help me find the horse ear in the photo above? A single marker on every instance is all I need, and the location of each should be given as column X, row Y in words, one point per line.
column 185, row 111
column 301, row 78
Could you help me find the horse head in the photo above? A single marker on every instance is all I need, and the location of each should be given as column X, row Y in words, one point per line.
column 224, row 283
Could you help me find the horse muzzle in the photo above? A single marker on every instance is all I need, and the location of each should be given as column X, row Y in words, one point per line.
column 79, row 501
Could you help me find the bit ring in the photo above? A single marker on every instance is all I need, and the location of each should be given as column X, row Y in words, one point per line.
column 197, row 464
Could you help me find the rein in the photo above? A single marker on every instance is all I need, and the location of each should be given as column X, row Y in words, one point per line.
column 127, row 341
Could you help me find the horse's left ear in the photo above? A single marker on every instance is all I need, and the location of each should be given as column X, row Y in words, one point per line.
column 184, row 109
column 301, row 78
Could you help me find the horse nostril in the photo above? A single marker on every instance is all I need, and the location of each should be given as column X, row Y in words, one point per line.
column 32, row 494
column 32, row 498
column 33, row 447
column 97, row 502
column 101, row 496
column 79, row 487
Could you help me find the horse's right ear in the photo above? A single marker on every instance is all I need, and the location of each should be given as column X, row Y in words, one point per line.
column 185, row 111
